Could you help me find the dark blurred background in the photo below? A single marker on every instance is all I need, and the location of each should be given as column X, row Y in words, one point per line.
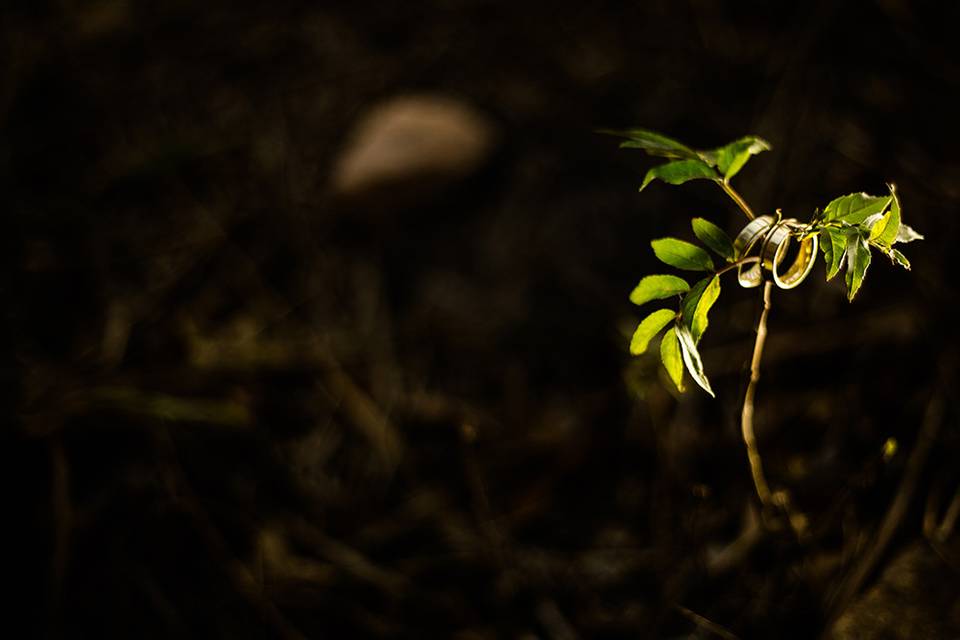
column 317, row 319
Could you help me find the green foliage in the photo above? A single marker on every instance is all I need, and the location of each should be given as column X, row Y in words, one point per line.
column 671, row 358
column 714, row 237
column 718, row 164
column 649, row 328
column 658, row 288
column 732, row 157
column 879, row 224
column 679, row 171
column 854, row 208
column 682, row 255
column 696, row 305
column 886, row 234
column 653, row 143
column 691, row 358
column 900, row 259
column 858, row 259
column 848, row 229
column 833, row 242
column 853, row 224
column 906, row 234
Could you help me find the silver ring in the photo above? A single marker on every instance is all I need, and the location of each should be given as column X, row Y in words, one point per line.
column 750, row 276
column 774, row 239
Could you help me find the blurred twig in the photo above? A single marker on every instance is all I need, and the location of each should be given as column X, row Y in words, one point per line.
column 245, row 583
column 707, row 624
column 851, row 585
column 365, row 415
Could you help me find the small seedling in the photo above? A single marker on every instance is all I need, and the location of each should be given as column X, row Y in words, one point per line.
column 846, row 231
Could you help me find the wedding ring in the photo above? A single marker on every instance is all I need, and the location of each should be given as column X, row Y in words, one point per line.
column 774, row 240
column 750, row 275
column 774, row 251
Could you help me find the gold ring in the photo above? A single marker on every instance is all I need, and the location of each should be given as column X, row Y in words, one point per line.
column 774, row 251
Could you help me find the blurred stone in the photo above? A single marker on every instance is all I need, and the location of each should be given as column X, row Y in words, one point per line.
column 410, row 147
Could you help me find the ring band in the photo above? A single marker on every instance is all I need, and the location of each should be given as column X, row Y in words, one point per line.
column 774, row 250
column 750, row 276
column 774, row 238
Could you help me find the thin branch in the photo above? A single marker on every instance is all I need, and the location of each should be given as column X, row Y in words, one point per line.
column 736, row 198
column 737, row 263
column 746, row 417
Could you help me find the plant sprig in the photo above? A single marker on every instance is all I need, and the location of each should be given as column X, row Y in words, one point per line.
column 848, row 229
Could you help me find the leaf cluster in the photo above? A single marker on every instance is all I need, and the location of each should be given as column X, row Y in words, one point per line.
column 849, row 228
column 851, row 225
column 678, row 347
column 687, row 164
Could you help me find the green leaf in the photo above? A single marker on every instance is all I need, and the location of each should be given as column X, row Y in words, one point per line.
column 900, row 259
column 679, row 171
column 858, row 259
column 671, row 358
column 688, row 306
column 907, row 234
column 731, row 158
column 682, row 255
column 691, row 358
column 855, row 208
column 649, row 328
column 658, row 288
column 709, row 297
column 833, row 242
column 656, row 144
column 891, row 229
column 877, row 224
column 714, row 237
column 697, row 303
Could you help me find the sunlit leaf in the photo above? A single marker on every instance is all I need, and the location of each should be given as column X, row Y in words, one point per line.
column 679, row 171
column 699, row 324
column 691, row 358
column 891, row 229
column 900, row 259
column 697, row 303
column 731, row 158
column 858, row 259
column 877, row 225
column 688, row 306
column 649, row 328
column 671, row 358
column 714, row 237
column 907, row 234
column 855, row 207
column 682, row 254
column 657, row 288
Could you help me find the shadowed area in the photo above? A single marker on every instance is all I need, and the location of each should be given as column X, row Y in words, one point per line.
column 318, row 323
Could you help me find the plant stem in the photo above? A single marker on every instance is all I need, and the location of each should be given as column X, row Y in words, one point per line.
column 734, row 265
column 746, row 417
column 736, row 198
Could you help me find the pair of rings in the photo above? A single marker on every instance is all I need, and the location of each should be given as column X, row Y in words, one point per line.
column 773, row 237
